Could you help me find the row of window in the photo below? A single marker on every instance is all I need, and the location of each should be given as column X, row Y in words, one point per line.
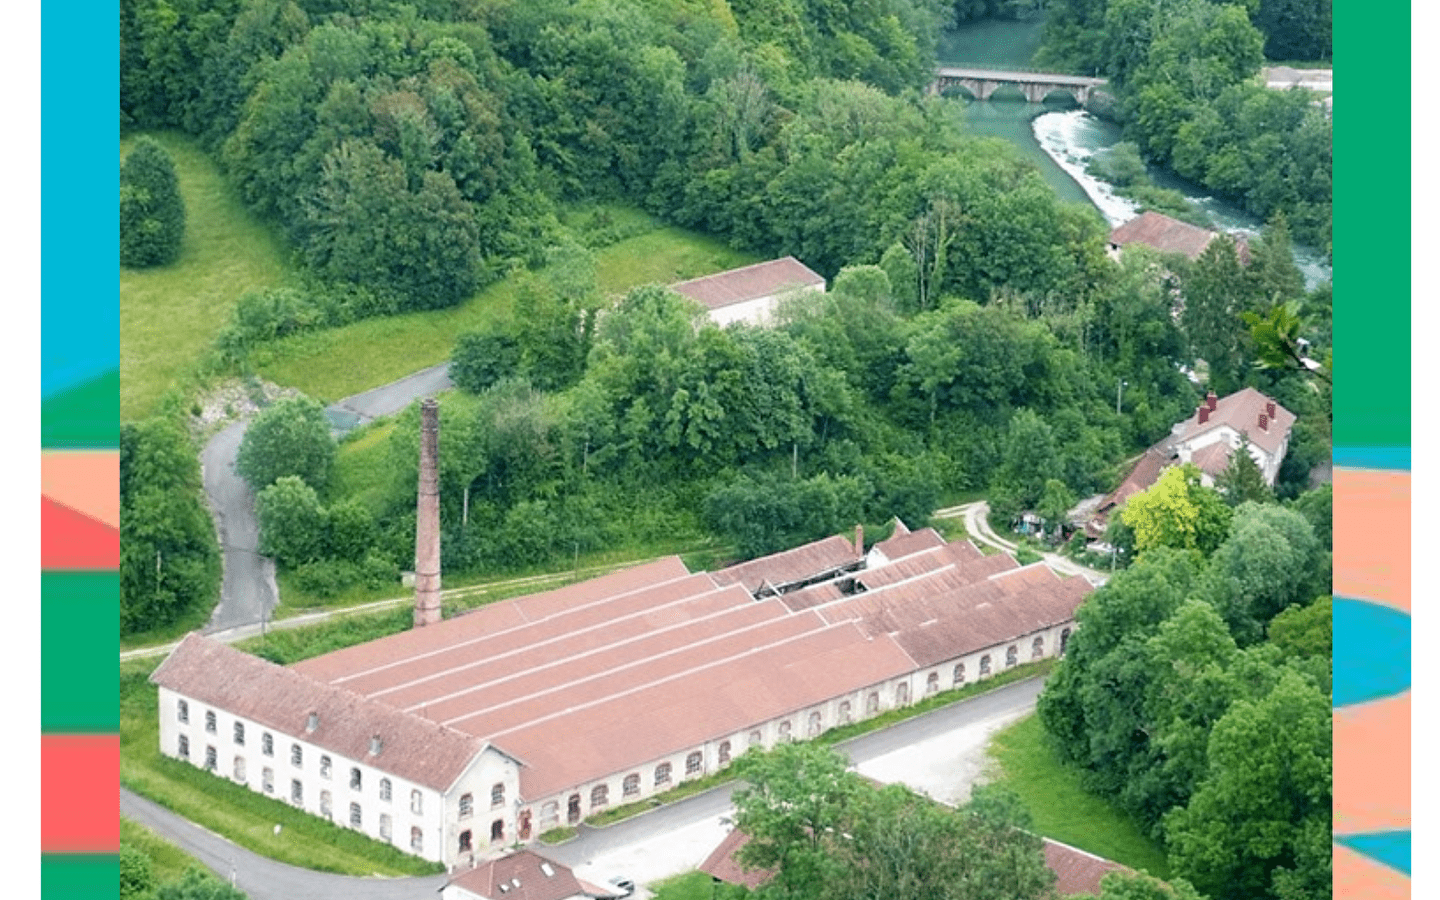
column 417, row 799
column 497, row 800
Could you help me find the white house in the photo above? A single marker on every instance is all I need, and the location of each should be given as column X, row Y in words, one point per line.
column 751, row 294
column 460, row 739
column 1219, row 427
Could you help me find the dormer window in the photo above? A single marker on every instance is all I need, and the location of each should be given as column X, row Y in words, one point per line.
column 376, row 745
column 313, row 722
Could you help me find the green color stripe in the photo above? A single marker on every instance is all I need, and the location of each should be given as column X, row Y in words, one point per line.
column 79, row 643
column 79, row 877
column 1372, row 228
column 86, row 416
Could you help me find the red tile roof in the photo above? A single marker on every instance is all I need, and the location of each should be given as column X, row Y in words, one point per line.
column 792, row 565
column 906, row 543
column 750, row 283
column 1146, row 472
column 1163, row 233
column 1212, row 459
column 282, row 699
column 724, row 863
column 1241, row 411
column 524, row 876
column 1076, row 871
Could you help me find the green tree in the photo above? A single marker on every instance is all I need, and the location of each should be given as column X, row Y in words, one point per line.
column 482, row 358
column 1242, row 479
column 1140, row 886
column 196, row 884
column 352, row 530
column 152, row 212
column 137, row 878
column 1305, row 631
column 1317, row 506
column 1216, row 293
column 291, row 437
column 292, row 522
column 1267, row 785
column 1270, row 560
column 1177, row 511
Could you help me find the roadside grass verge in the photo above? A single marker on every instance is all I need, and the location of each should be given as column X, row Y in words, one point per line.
column 831, row 737
column 167, row 862
column 235, row 812
column 696, row 886
column 170, row 315
column 1062, row 809
column 190, row 621
column 337, row 362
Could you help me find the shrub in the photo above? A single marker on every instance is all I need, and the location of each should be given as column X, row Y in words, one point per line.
column 152, row 213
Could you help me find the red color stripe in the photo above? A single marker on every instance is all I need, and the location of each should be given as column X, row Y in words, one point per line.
column 79, row 778
column 73, row 540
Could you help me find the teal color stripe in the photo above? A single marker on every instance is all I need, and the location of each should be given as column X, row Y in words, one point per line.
column 79, row 877
column 87, row 417
column 1395, row 459
column 1372, row 651
column 79, row 193
column 1371, row 235
column 1392, row 848
column 79, row 643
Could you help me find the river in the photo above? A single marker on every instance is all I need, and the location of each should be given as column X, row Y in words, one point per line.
column 1060, row 139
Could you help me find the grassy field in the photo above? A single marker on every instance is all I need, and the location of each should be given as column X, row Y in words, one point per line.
column 338, row 362
column 696, row 886
column 169, row 315
column 241, row 815
column 1062, row 809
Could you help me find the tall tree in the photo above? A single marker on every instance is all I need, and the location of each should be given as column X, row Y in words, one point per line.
column 1177, row 511
column 152, row 212
column 292, row 437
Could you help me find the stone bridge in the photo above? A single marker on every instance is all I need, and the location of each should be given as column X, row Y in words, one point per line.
column 981, row 83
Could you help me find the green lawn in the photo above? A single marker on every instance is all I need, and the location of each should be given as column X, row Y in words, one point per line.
column 338, row 362
column 696, row 886
column 167, row 862
column 237, row 813
column 1062, row 809
column 169, row 315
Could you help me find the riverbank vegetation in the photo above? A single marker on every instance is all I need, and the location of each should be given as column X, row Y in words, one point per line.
column 1187, row 76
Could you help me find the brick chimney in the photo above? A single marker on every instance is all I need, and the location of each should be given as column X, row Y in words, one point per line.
column 1202, row 415
column 1211, row 400
column 427, row 518
column 1264, row 422
column 1270, row 408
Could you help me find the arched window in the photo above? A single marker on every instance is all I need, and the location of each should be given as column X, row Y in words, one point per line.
column 239, row 731
column 324, row 767
column 662, row 774
column 872, row 703
column 985, row 664
column 210, row 720
column 785, row 730
column 467, row 843
column 385, row 789
column 355, row 779
column 524, row 826
column 693, row 764
column 550, row 814
column 267, row 744
column 724, row 752
column 355, row 817
column 497, row 831
column 210, row 759
column 844, row 711
column 295, row 754
column 630, row 787
column 932, row 683
column 467, row 805
column 812, row 726
column 497, row 794
column 1037, row 647
column 572, row 809
column 599, row 796
column 184, row 747
column 183, row 711
column 417, row 840
column 959, row 673
column 1012, row 656
column 902, row 693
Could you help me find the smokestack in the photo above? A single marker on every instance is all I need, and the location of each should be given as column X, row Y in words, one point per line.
column 859, row 539
column 1202, row 415
column 427, row 518
column 1211, row 400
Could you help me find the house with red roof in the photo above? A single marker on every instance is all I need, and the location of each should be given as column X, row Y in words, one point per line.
column 458, row 740
column 522, row 875
column 751, row 293
column 1168, row 235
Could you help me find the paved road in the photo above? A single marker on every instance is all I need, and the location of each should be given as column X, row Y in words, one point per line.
column 248, row 592
column 977, row 523
column 666, row 838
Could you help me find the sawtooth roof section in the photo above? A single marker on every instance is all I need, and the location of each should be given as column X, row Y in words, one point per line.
column 283, row 699
column 742, row 285
column 904, row 544
column 789, row 566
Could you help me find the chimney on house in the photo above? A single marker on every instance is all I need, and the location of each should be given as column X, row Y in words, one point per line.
column 1202, row 415
column 859, row 539
column 1264, row 422
column 1211, row 400
column 427, row 518
column 1270, row 408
